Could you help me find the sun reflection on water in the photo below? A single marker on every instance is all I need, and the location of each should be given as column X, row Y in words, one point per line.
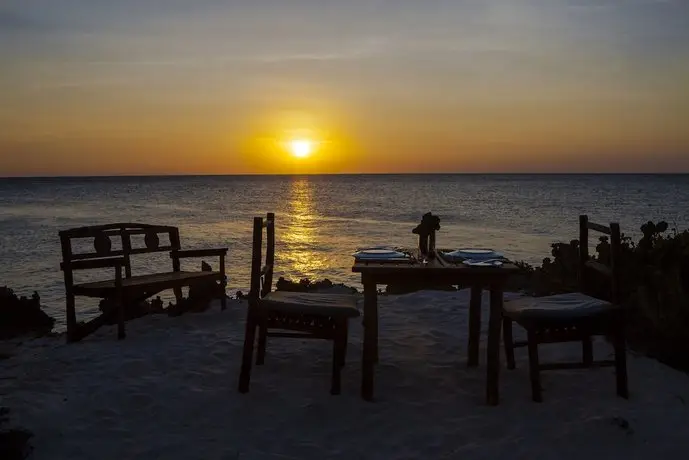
column 302, row 254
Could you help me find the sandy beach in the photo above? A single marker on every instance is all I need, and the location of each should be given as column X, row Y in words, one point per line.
column 169, row 391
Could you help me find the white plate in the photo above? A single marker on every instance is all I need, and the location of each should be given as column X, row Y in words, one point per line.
column 474, row 254
column 483, row 263
column 379, row 254
column 476, row 251
column 372, row 248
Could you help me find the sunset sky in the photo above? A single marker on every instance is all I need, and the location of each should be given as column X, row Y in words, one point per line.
column 222, row 87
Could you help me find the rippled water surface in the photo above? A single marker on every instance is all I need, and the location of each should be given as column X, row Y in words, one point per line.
column 320, row 219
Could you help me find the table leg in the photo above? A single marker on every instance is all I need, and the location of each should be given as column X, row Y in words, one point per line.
column 474, row 325
column 370, row 351
column 494, row 325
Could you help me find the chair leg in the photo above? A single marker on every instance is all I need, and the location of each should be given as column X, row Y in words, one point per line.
column 247, row 353
column 121, row 334
column 71, row 315
column 338, row 350
column 587, row 351
column 262, row 339
column 509, row 342
column 345, row 339
column 534, row 368
column 223, row 300
column 621, row 363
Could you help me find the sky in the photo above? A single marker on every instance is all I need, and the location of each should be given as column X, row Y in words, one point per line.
column 101, row 87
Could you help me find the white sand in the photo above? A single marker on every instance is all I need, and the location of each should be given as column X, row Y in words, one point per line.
column 169, row 391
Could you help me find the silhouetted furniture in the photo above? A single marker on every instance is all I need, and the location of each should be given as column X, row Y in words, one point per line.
column 306, row 315
column 437, row 271
column 574, row 316
column 133, row 239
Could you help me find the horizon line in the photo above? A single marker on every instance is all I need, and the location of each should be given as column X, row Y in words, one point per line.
column 108, row 176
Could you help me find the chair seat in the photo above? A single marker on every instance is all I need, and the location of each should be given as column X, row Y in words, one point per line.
column 334, row 305
column 561, row 307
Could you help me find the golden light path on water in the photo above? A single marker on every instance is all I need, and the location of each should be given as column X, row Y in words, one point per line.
column 300, row 233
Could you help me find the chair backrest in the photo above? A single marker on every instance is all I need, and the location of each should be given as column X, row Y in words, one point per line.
column 262, row 269
column 587, row 267
column 128, row 235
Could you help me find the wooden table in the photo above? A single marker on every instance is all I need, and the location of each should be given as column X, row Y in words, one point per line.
column 436, row 271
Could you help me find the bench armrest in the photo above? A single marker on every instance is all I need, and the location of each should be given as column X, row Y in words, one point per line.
column 114, row 262
column 181, row 254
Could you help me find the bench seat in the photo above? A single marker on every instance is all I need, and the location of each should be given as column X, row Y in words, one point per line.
column 143, row 283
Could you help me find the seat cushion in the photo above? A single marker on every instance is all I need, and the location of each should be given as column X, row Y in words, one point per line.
column 340, row 305
column 561, row 307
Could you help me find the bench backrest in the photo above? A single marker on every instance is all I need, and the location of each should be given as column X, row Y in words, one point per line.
column 133, row 239
column 262, row 271
column 587, row 267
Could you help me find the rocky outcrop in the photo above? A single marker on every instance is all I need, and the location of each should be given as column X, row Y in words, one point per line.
column 306, row 285
column 22, row 316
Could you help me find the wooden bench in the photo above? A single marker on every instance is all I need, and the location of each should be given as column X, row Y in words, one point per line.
column 124, row 288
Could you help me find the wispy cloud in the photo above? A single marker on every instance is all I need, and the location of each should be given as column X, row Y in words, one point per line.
column 359, row 49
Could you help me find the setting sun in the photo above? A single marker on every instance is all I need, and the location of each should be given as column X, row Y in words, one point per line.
column 301, row 148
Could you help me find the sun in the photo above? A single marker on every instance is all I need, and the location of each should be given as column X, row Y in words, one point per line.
column 301, row 148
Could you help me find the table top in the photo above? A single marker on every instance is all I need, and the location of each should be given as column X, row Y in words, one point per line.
column 437, row 264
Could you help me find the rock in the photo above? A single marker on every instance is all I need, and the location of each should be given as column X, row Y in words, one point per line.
column 22, row 316
column 201, row 294
column 306, row 285
column 14, row 442
column 131, row 310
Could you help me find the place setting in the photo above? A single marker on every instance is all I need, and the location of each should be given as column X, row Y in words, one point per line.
column 474, row 257
column 382, row 254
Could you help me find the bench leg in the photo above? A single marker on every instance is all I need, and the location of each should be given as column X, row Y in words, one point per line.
column 178, row 295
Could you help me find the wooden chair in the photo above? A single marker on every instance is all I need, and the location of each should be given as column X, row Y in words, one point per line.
column 574, row 316
column 307, row 315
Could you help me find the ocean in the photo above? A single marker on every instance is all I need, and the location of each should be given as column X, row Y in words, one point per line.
column 320, row 220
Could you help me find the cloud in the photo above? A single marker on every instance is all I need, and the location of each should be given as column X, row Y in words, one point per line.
column 359, row 49
column 12, row 21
